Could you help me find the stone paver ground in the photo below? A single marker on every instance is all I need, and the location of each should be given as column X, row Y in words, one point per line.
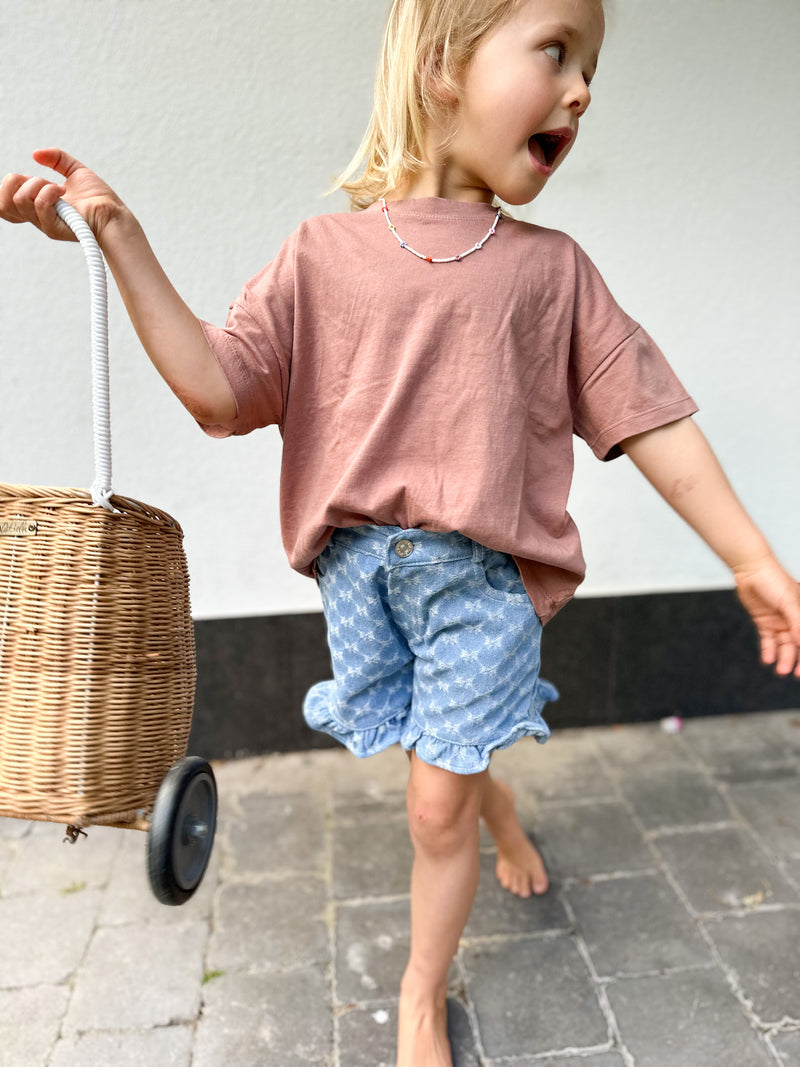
column 670, row 936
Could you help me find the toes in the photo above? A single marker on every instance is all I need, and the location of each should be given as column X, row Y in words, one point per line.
column 502, row 875
column 521, row 882
column 541, row 882
column 513, row 879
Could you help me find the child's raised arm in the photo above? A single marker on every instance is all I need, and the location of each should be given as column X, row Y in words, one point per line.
column 678, row 461
column 169, row 331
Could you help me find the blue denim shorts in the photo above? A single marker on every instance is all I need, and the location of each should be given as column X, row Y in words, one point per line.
column 434, row 644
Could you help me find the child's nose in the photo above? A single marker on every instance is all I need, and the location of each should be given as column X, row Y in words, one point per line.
column 578, row 95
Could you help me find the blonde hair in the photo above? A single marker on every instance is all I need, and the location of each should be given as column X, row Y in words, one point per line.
column 427, row 45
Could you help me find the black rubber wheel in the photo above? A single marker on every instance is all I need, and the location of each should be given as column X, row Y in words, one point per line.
column 181, row 832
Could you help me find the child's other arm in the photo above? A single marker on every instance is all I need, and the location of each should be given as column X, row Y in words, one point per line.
column 678, row 461
column 169, row 331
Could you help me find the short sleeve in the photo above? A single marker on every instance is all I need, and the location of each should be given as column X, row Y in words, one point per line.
column 254, row 348
column 620, row 381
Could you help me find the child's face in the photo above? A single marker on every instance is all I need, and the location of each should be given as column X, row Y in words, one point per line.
column 528, row 76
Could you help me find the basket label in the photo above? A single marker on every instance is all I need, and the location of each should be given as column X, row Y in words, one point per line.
column 18, row 528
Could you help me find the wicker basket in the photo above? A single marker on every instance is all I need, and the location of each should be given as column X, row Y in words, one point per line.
column 97, row 662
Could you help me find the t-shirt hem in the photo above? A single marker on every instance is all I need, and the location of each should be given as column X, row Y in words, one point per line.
column 606, row 445
column 235, row 373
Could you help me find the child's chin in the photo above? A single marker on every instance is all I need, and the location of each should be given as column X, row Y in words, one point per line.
column 519, row 199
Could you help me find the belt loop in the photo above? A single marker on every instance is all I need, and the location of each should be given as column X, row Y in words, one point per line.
column 477, row 552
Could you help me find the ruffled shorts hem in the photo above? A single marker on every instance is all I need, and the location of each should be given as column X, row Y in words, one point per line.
column 471, row 759
column 361, row 743
column 455, row 756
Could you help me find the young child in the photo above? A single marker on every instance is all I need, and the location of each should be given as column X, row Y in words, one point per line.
column 427, row 360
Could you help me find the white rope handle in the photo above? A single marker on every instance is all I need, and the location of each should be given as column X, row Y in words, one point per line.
column 101, row 487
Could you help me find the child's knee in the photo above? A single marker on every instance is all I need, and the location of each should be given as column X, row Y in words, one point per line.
column 443, row 808
column 439, row 829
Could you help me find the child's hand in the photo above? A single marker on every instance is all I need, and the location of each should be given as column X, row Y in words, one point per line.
column 27, row 199
column 772, row 598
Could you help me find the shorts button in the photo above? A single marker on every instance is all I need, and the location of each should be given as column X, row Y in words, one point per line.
column 404, row 548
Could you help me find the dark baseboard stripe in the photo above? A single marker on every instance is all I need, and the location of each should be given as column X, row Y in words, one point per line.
column 614, row 659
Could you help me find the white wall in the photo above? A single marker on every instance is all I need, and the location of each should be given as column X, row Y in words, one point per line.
column 221, row 123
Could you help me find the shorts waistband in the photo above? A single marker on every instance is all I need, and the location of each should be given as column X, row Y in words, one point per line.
column 413, row 547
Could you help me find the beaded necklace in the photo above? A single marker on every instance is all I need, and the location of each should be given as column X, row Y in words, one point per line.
column 430, row 259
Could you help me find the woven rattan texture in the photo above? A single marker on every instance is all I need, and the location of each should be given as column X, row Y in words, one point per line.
column 97, row 661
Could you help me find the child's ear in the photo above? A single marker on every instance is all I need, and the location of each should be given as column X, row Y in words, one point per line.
column 433, row 81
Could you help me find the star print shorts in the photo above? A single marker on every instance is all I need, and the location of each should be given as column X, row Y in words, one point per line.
column 434, row 644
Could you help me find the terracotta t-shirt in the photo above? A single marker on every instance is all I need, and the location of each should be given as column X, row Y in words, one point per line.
column 439, row 396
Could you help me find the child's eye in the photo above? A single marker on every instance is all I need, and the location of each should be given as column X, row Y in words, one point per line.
column 556, row 52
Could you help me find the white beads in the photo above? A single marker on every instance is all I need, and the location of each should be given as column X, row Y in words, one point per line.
column 430, row 259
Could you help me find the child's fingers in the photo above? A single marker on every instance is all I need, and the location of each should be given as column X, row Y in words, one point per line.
column 769, row 649
column 787, row 658
column 35, row 201
column 32, row 199
column 25, row 196
column 9, row 187
column 789, row 651
column 58, row 160
column 45, row 207
column 793, row 615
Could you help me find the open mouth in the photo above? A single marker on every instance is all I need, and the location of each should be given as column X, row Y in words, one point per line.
column 547, row 147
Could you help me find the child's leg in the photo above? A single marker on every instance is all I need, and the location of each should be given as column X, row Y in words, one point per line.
column 443, row 811
column 520, row 867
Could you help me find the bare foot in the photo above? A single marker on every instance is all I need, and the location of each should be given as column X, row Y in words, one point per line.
column 520, row 867
column 422, row 1030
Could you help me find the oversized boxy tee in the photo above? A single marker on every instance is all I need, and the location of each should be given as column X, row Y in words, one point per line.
column 439, row 396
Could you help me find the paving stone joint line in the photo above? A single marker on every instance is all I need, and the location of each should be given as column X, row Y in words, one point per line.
column 228, row 949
